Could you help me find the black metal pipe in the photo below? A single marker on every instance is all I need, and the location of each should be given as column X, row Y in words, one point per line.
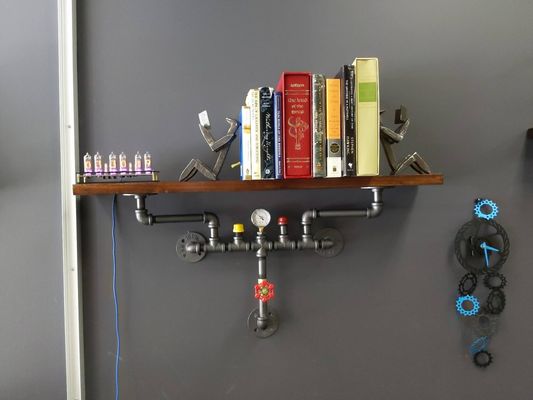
column 261, row 264
column 167, row 219
column 377, row 204
column 341, row 213
column 261, row 254
column 262, row 319
column 243, row 246
column 142, row 215
column 370, row 212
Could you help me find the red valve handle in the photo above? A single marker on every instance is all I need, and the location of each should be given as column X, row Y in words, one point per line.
column 283, row 220
column 264, row 290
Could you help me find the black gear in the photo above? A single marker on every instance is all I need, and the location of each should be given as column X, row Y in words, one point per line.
column 468, row 284
column 468, row 245
column 496, row 301
column 490, row 276
column 482, row 359
column 483, row 324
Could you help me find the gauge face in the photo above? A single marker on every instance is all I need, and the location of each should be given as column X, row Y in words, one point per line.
column 260, row 218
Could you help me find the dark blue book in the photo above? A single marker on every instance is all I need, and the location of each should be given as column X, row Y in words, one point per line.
column 278, row 135
column 266, row 123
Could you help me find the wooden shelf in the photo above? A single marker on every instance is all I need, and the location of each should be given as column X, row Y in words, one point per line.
column 88, row 189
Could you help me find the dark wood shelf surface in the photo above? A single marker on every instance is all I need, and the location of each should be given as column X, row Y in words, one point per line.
column 88, row 189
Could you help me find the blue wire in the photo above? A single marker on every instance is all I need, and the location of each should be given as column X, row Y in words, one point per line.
column 115, row 297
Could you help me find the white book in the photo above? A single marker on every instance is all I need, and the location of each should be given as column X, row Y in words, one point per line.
column 246, row 150
column 252, row 101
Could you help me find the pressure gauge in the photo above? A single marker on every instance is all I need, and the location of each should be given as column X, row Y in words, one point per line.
column 260, row 218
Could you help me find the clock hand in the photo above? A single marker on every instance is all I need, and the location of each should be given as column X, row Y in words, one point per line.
column 485, row 252
column 491, row 248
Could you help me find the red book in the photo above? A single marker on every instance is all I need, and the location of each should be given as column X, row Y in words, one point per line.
column 295, row 88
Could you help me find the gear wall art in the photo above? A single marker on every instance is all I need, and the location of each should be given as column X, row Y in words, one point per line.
column 482, row 248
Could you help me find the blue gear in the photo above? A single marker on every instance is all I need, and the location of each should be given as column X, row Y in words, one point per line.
column 461, row 310
column 480, row 344
column 486, row 202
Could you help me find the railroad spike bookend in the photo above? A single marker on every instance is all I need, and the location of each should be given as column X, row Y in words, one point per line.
column 220, row 146
column 390, row 137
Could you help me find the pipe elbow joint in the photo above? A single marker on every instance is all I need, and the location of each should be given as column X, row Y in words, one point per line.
column 211, row 219
column 308, row 216
column 143, row 217
column 374, row 210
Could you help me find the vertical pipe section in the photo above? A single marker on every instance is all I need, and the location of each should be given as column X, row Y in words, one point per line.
column 262, row 320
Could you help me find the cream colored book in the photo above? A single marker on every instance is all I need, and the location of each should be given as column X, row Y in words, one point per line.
column 252, row 101
column 246, row 153
column 367, row 116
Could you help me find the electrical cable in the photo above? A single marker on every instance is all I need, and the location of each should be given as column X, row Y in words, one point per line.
column 115, row 297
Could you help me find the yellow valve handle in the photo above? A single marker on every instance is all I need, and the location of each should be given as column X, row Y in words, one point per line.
column 238, row 228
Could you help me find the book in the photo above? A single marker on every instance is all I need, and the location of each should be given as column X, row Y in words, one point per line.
column 333, row 128
column 296, row 111
column 367, row 116
column 346, row 76
column 266, row 124
column 246, row 162
column 278, row 133
column 252, row 101
column 318, row 130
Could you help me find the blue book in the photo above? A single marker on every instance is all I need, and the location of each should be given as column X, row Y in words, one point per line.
column 278, row 134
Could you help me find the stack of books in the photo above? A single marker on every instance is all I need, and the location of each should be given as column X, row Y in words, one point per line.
column 313, row 126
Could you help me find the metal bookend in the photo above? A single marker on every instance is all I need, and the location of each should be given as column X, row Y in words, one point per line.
column 390, row 137
column 220, row 146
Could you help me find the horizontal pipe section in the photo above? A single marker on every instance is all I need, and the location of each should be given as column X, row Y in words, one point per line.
column 253, row 246
column 341, row 213
column 261, row 245
column 142, row 215
column 372, row 211
column 167, row 219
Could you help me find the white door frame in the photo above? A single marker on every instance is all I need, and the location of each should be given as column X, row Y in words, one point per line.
column 68, row 133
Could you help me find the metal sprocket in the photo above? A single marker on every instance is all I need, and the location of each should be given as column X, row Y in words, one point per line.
column 468, row 241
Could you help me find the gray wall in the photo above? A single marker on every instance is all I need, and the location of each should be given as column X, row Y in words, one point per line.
column 32, row 357
column 378, row 322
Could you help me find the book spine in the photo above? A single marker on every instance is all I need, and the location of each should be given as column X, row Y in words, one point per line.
column 353, row 130
column 296, row 89
column 346, row 76
column 266, row 111
column 239, row 134
column 318, row 82
column 246, row 162
column 255, row 134
column 349, row 121
column 333, row 128
column 367, row 116
column 278, row 132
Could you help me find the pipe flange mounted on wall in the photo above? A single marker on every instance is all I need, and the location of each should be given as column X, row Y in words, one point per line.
column 272, row 323
column 330, row 235
column 190, row 247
